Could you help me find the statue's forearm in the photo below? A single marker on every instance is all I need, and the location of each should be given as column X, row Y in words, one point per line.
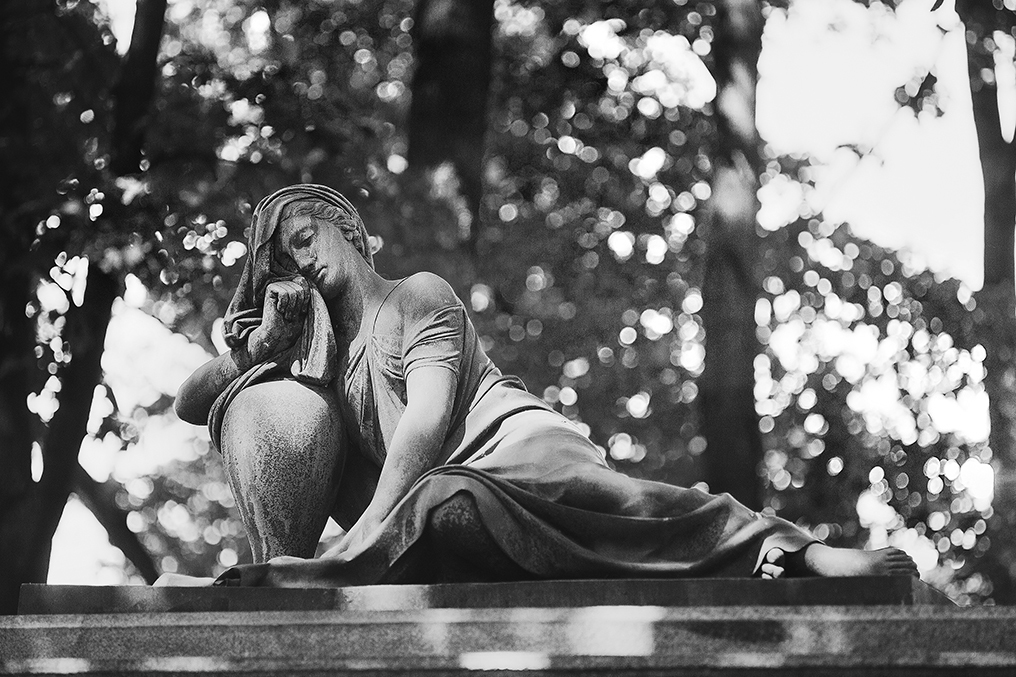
column 198, row 393
column 414, row 448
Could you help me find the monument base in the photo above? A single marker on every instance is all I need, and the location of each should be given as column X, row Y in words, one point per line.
column 863, row 591
column 544, row 627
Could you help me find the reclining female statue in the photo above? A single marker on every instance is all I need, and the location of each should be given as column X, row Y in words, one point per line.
column 371, row 400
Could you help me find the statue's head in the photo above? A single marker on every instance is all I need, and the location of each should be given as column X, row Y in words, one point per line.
column 322, row 242
column 348, row 223
column 301, row 201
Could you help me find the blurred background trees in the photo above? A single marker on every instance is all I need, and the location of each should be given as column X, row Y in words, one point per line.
column 58, row 67
column 732, row 279
column 988, row 29
column 588, row 178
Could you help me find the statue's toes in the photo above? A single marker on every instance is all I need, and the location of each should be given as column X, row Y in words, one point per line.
column 773, row 564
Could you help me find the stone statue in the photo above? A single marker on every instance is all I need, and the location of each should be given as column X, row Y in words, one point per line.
column 371, row 400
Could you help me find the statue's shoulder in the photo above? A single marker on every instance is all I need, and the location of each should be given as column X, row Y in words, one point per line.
column 416, row 300
column 424, row 292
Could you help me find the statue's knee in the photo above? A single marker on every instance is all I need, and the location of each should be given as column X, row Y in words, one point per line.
column 465, row 547
column 455, row 517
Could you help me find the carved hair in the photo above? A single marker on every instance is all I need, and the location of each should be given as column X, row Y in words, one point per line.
column 348, row 223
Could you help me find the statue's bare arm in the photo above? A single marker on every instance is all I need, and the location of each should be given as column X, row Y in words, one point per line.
column 285, row 306
column 198, row 393
column 415, row 446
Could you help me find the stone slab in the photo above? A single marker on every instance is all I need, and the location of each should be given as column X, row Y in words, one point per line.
column 604, row 640
column 864, row 591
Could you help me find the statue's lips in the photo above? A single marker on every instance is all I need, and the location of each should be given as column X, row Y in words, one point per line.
column 318, row 276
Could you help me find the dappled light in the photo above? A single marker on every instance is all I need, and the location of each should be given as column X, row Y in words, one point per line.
column 586, row 272
column 890, row 348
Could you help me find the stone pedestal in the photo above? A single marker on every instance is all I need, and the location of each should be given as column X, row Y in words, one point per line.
column 863, row 591
column 566, row 627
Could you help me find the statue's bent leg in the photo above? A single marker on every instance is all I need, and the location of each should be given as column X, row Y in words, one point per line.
column 467, row 551
column 281, row 444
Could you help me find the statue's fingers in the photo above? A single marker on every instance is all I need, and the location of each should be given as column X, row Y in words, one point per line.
column 284, row 303
column 271, row 300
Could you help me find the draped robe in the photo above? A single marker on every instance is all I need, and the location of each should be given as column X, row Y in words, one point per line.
column 542, row 495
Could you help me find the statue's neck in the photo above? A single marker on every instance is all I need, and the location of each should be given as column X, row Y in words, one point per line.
column 353, row 311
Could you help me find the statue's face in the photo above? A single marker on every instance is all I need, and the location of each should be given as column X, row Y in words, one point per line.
column 319, row 250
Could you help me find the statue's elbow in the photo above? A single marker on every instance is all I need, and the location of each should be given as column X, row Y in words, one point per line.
column 183, row 410
column 187, row 407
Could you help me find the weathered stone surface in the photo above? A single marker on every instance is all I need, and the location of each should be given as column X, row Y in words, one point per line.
column 615, row 640
column 280, row 448
column 42, row 599
column 622, row 627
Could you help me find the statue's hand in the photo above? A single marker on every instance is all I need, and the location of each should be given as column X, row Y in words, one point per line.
column 282, row 319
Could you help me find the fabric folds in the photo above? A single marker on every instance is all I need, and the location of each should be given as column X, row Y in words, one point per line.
column 556, row 512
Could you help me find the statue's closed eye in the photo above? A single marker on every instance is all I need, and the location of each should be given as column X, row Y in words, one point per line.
column 284, row 259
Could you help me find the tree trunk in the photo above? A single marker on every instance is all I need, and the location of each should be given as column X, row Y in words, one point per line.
column 17, row 278
column 19, row 501
column 997, row 298
column 30, row 511
column 29, row 523
column 731, row 285
column 136, row 86
column 448, row 115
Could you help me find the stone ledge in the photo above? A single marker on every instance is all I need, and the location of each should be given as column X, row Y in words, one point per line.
column 616, row 640
column 864, row 591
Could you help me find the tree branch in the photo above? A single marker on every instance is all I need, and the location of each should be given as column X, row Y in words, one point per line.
column 100, row 498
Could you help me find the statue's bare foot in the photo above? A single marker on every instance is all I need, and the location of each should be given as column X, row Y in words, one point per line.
column 818, row 559
column 773, row 564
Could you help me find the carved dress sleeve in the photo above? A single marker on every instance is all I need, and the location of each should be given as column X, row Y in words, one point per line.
column 435, row 330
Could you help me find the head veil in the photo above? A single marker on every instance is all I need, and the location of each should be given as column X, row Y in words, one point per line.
column 312, row 359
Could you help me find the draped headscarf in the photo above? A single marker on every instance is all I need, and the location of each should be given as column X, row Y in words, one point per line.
column 312, row 358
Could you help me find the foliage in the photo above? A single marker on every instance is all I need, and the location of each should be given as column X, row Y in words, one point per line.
column 592, row 176
column 585, row 276
column 55, row 123
column 186, row 516
column 869, row 368
column 605, row 312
